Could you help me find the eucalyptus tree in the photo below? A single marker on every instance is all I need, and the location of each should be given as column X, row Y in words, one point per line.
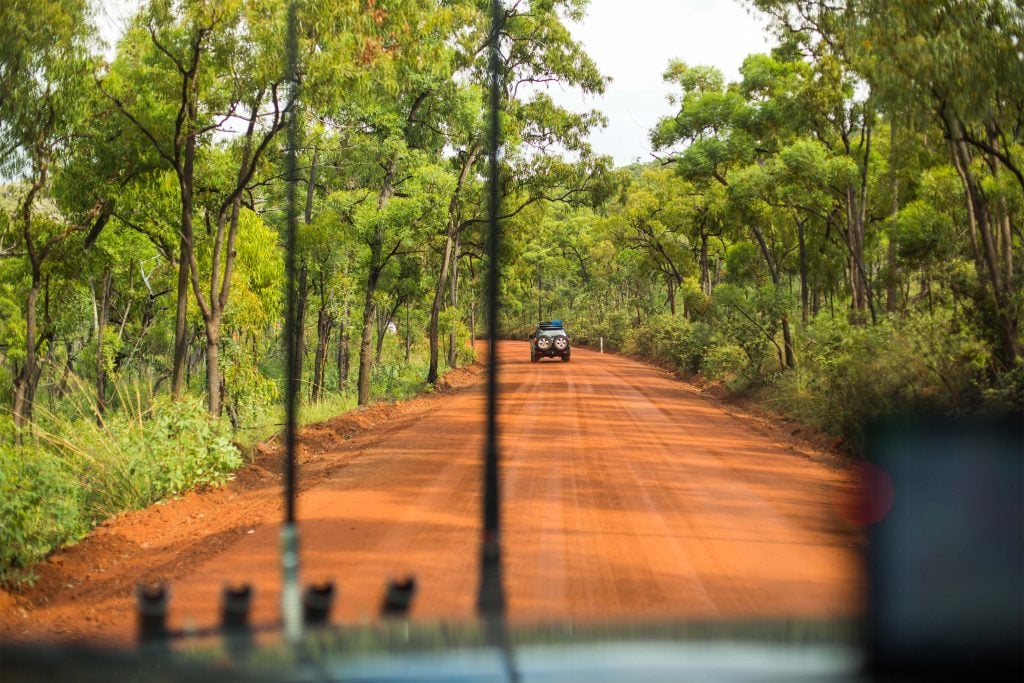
column 44, row 102
column 965, row 64
column 187, row 76
column 466, row 134
column 720, row 144
column 961, row 64
column 656, row 220
column 325, row 258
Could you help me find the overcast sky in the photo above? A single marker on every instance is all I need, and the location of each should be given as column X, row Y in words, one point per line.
column 632, row 41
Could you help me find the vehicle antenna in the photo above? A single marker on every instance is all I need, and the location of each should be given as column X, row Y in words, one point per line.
column 491, row 596
column 291, row 606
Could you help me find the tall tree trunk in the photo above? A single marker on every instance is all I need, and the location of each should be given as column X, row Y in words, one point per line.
column 856, row 222
column 366, row 342
column 773, row 270
column 987, row 260
column 214, row 385
column 178, row 379
column 446, row 263
column 804, row 303
column 1001, row 219
column 408, row 333
column 787, row 341
column 186, row 177
column 382, row 328
column 102, row 317
column 705, row 270
column 378, row 260
column 23, row 389
column 223, row 250
column 301, row 303
column 377, row 263
column 855, row 247
column 433, row 329
column 892, row 279
column 324, row 327
column 344, row 330
column 453, row 302
column 342, row 355
column 69, row 367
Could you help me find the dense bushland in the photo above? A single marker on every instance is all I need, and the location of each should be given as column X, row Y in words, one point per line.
column 838, row 230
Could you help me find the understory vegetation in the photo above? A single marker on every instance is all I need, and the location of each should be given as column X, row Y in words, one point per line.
column 847, row 375
column 836, row 231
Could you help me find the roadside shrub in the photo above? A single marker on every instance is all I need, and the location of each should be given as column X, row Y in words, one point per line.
column 750, row 319
column 182, row 448
column 145, row 455
column 672, row 339
column 393, row 379
column 612, row 328
column 641, row 340
column 694, row 347
column 847, row 375
column 668, row 333
column 40, row 509
column 726, row 362
column 249, row 393
column 465, row 354
column 1008, row 392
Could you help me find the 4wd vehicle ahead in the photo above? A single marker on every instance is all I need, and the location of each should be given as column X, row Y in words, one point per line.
column 549, row 340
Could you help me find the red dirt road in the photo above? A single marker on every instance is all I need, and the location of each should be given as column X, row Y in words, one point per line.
column 627, row 496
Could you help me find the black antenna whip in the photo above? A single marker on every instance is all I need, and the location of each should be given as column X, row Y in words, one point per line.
column 291, row 613
column 491, row 595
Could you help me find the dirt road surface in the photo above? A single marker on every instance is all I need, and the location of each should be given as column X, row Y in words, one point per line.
column 627, row 496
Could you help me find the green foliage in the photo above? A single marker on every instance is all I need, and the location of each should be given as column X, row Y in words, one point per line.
column 79, row 473
column 725, row 362
column 675, row 340
column 852, row 374
column 612, row 328
column 464, row 351
column 1007, row 393
column 394, row 379
column 41, row 508
column 249, row 394
column 142, row 456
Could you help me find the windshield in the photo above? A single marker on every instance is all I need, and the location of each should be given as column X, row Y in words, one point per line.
column 428, row 325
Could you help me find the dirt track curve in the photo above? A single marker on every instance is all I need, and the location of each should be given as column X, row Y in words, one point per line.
column 627, row 496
